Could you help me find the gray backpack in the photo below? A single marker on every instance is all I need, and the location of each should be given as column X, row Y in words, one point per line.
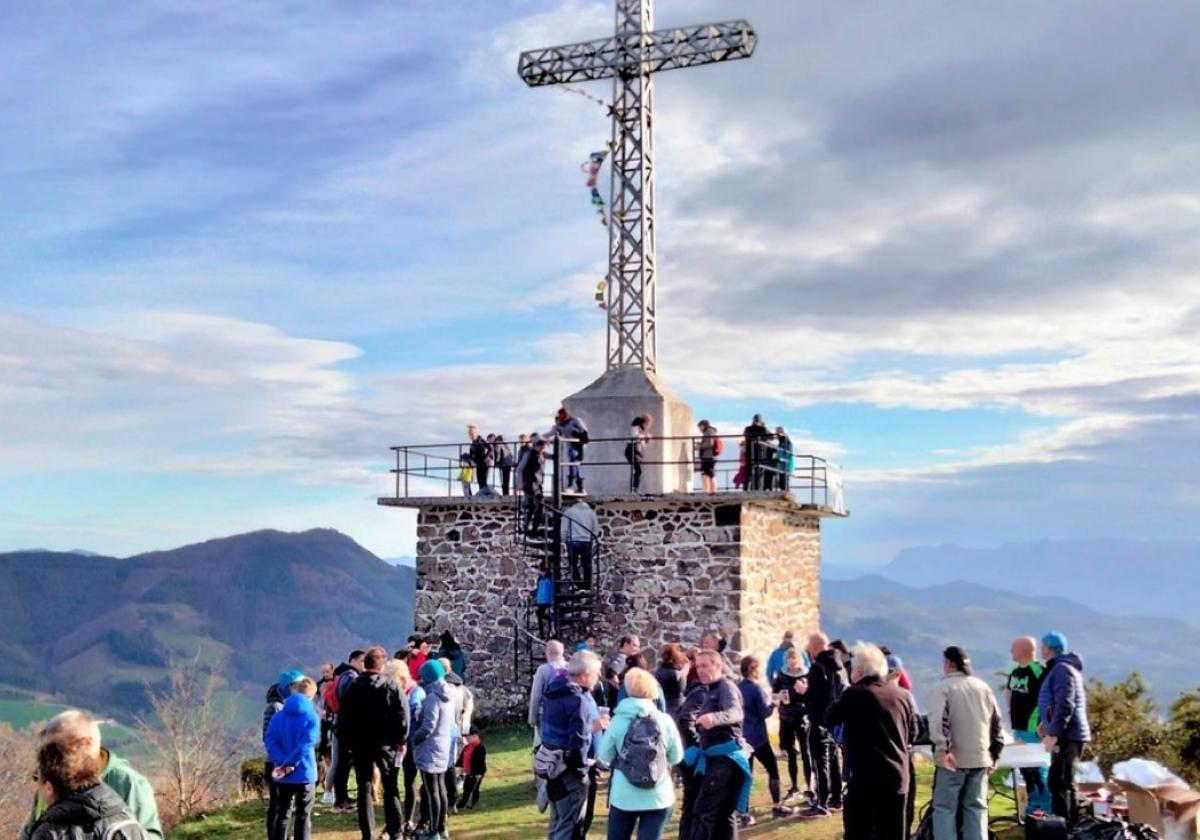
column 643, row 755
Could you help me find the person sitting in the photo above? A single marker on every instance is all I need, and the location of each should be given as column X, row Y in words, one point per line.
column 79, row 805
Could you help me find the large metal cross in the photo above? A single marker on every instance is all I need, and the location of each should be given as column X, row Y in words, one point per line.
column 629, row 58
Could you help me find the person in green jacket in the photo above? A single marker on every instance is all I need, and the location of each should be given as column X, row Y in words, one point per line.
column 134, row 788
column 647, row 808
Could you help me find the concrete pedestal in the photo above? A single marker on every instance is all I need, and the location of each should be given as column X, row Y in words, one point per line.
column 608, row 406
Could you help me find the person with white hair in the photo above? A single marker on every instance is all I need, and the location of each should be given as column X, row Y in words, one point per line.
column 569, row 720
column 77, row 729
column 878, row 725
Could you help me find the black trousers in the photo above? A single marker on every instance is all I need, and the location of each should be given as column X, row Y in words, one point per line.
column 827, row 766
column 470, row 794
column 579, row 556
column 691, row 790
column 272, row 796
column 713, row 816
column 873, row 815
column 793, row 737
column 505, row 479
column 910, row 803
column 481, row 473
column 365, row 763
column 589, row 810
column 766, row 757
column 341, row 778
column 298, row 798
column 451, row 787
column 635, row 480
column 435, row 801
column 409, row 807
column 1062, row 779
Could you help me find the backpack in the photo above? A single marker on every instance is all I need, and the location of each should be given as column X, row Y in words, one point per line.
column 643, row 755
column 718, row 447
column 124, row 830
column 329, row 695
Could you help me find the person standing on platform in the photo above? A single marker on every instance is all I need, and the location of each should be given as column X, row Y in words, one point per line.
column 757, row 454
column 1062, row 704
column 635, row 449
column 708, row 448
column 480, row 454
column 1021, row 689
column 574, row 435
column 504, row 462
column 784, row 458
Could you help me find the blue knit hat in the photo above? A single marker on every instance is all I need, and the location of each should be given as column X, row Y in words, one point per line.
column 894, row 664
column 1056, row 641
column 287, row 678
column 432, row 671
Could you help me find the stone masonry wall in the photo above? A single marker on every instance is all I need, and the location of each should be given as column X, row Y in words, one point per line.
column 668, row 572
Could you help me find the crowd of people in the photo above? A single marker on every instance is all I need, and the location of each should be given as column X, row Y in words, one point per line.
column 689, row 728
column 487, row 463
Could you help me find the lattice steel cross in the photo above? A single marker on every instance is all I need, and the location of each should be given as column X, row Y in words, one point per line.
column 630, row 58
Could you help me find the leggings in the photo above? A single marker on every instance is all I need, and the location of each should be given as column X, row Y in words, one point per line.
column 766, row 756
column 793, row 737
column 435, row 801
column 410, row 778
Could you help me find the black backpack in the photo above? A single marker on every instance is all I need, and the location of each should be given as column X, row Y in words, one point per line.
column 643, row 755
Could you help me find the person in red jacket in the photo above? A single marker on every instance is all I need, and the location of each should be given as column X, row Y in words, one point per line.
column 474, row 768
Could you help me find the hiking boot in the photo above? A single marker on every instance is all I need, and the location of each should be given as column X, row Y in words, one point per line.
column 791, row 794
column 782, row 811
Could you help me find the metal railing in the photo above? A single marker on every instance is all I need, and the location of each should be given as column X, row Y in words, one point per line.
column 437, row 470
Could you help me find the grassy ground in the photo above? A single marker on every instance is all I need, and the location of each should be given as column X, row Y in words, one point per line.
column 506, row 808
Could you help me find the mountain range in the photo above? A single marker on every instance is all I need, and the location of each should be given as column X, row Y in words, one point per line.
column 96, row 630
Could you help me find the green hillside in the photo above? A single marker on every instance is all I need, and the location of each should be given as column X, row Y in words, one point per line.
column 95, row 631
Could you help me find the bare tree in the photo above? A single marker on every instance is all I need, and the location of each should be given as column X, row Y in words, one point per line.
column 19, row 748
column 195, row 747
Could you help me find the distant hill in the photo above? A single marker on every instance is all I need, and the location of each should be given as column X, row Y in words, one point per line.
column 94, row 630
column 1121, row 577
column 919, row 622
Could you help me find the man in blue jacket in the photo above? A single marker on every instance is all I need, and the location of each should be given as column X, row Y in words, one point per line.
column 568, row 721
column 291, row 742
column 1062, row 703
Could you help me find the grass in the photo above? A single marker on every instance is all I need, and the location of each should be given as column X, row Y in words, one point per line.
column 506, row 809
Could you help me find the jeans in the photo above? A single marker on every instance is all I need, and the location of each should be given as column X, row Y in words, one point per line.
column 826, row 766
column 965, row 791
column 567, row 812
column 435, row 801
column 1037, row 779
column 301, row 798
column 365, row 763
column 766, row 757
column 713, row 814
column 650, row 824
column 873, row 815
column 1062, row 779
column 793, row 737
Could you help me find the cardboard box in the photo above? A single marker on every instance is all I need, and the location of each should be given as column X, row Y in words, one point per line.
column 1172, row 811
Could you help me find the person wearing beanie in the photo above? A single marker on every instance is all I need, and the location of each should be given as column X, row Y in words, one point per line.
column 291, row 743
column 967, row 735
column 895, row 676
column 431, row 744
column 1062, row 704
column 277, row 694
column 373, row 719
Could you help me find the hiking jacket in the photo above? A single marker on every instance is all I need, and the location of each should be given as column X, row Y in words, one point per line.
column 622, row 794
column 134, row 789
column 374, row 713
column 275, row 698
column 431, row 741
column 541, row 678
column 964, row 720
column 86, row 815
column 566, row 720
column 757, row 709
column 879, row 724
column 826, row 682
column 721, row 699
column 1062, row 700
column 794, row 709
column 292, row 740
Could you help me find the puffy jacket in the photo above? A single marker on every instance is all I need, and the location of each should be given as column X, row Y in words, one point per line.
column 431, row 740
column 374, row 713
column 965, row 720
column 1062, row 701
column 292, row 740
column 622, row 794
column 757, row 708
column 567, row 719
column 275, row 698
column 86, row 815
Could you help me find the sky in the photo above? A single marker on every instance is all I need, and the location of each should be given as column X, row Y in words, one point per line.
column 246, row 247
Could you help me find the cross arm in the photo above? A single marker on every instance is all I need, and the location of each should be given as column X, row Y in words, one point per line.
column 665, row 49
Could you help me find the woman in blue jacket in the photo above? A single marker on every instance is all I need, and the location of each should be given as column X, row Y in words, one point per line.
column 758, row 706
column 291, row 743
